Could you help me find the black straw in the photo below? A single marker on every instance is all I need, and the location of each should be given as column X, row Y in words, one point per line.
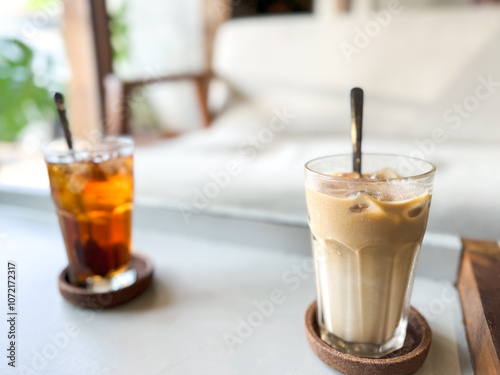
column 356, row 127
column 61, row 111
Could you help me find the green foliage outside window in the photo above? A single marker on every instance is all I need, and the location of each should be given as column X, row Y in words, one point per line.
column 26, row 97
column 22, row 100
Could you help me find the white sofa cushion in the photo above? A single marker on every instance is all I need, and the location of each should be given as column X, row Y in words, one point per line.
column 413, row 71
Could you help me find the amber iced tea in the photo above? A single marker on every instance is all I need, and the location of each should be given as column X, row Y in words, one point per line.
column 93, row 193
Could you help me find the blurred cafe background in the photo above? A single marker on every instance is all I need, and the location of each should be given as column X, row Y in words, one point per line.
column 227, row 100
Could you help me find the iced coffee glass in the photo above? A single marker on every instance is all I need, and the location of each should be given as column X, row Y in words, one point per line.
column 93, row 188
column 366, row 239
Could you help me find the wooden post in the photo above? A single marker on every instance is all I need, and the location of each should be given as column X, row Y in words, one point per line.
column 215, row 13
column 116, row 106
column 103, row 52
column 342, row 6
column 83, row 97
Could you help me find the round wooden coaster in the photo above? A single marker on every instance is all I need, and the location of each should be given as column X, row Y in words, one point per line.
column 405, row 361
column 82, row 297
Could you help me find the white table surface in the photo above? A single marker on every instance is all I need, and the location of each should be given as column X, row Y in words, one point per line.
column 201, row 288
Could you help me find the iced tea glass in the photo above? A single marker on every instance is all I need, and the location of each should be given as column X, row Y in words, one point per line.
column 366, row 239
column 92, row 188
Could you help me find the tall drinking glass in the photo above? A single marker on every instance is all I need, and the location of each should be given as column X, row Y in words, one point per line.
column 366, row 239
column 93, row 189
